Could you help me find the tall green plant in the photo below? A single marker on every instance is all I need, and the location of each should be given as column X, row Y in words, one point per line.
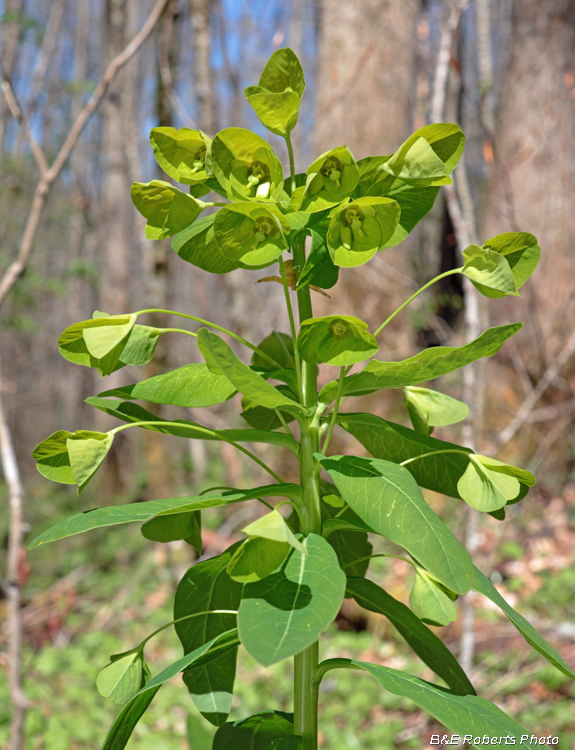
column 277, row 591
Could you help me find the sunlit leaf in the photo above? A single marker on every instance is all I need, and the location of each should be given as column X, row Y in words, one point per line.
column 250, row 233
column 336, row 340
column 181, row 153
column 430, row 601
column 488, row 271
column 428, row 156
column 428, row 409
column 167, row 209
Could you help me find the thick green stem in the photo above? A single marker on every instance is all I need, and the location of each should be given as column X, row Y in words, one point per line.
column 305, row 663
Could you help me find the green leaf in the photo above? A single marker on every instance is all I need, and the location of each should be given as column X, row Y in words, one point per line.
column 430, row 649
column 199, row 738
column 319, row 269
column 259, row 732
column 428, row 156
column 359, row 229
column 246, row 166
column 166, row 208
column 272, row 526
column 130, row 715
column 331, row 178
column 430, row 601
column 261, row 418
column 140, row 346
column 190, row 386
column 388, row 499
column 276, row 99
column 486, row 490
column 489, row 272
column 87, row 450
column 427, row 365
column 134, row 413
column 256, row 559
column 336, row 340
column 483, row 586
column 72, row 457
column 278, row 346
column 197, row 245
column 250, row 234
column 176, row 526
column 468, row 715
column 347, row 534
column 181, row 153
column 287, row 611
column 520, row 250
column 122, row 678
column 98, row 342
column 241, row 376
column 428, row 409
column 134, row 512
column 441, row 472
column 205, row 587
column 414, row 203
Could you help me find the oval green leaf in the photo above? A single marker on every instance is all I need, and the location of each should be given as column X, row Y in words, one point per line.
column 336, row 340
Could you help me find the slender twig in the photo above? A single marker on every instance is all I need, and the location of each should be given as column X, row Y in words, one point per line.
column 159, row 424
column 49, row 177
column 21, row 118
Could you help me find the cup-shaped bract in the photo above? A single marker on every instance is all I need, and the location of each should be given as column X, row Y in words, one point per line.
column 245, row 165
column 428, row 156
column 503, row 264
column 357, row 230
column 339, row 340
column 182, row 153
column 276, row 99
column 166, row 208
column 331, row 178
column 250, row 234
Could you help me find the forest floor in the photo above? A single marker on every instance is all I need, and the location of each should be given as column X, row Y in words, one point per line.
column 94, row 595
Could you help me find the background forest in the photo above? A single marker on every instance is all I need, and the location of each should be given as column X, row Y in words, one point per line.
column 72, row 242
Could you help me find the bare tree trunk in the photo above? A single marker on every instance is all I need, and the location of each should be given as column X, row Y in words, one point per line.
column 9, row 36
column 203, row 76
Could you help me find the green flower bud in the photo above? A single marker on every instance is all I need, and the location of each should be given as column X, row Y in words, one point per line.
column 250, row 234
column 246, row 166
column 331, row 178
column 336, row 340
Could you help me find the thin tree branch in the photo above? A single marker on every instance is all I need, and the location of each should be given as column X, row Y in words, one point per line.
column 509, row 432
column 17, row 267
column 12, row 584
column 22, row 120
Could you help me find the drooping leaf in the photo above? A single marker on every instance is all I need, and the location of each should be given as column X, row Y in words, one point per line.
column 259, row 732
column 483, row 586
column 430, row 601
column 98, row 342
column 167, row 209
column 277, row 97
column 131, row 412
column 72, row 457
column 256, row 559
column 520, row 250
column 428, row 156
column 331, row 179
column 245, row 165
column 123, row 725
column 430, row 649
column 427, row 365
column 261, row 418
column 428, row 409
column 251, row 234
column 287, row 611
column 181, row 153
column 197, row 245
column 278, row 346
column 359, row 229
column 440, row 471
column 176, row 526
column 319, row 269
column 122, row 678
column 336, row 340
column 388, row 499
column 206, row 587
column 243, row 378
column 190, row 386
column 467, row 715
column 489, row 272
column 134, row 512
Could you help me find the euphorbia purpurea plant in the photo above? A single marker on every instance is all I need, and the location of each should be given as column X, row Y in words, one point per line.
column 277, row 591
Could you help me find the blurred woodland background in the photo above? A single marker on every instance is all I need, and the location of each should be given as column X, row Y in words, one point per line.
column 72, row 242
